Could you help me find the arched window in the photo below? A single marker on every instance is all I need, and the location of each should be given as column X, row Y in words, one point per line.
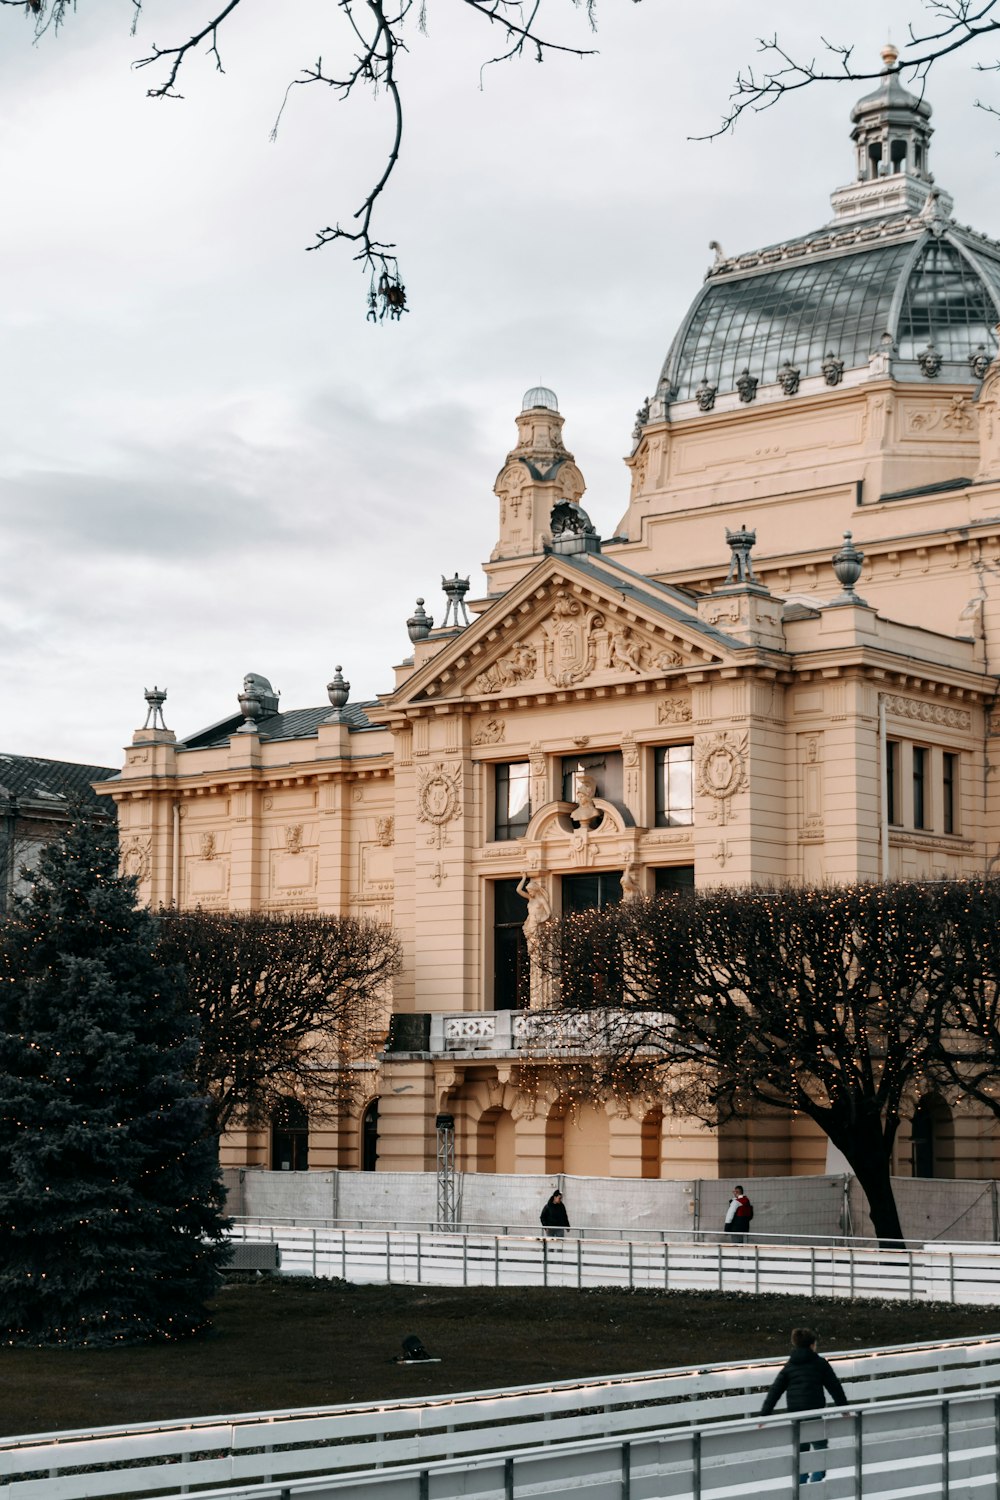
column 290, row 1137
column 369, row 1137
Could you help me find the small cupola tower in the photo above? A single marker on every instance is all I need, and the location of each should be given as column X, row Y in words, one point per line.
column 891, row 134
column 538, row 474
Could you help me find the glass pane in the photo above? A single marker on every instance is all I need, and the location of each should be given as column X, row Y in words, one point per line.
column 674, row 786
column 511, row 811
column 585, row 892
column 945, row 304
column 795, row 313
column 519, row 784
column 508, row 906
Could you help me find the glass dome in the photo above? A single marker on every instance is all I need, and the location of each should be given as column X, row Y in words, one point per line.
column 891, row 273
column 925, row 289
column 540, row 395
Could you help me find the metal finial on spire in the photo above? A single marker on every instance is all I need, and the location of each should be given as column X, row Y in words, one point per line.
column 155, row 698
column 455, row 591
column 890, row 56
column 741, row 563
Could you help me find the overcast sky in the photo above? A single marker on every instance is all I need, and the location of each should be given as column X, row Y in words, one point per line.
column 209, row 462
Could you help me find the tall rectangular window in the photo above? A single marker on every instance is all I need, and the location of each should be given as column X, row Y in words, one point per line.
column 949, row 777
column 672, row 878
column 892, row 781
column 674, row 786
column 511, row 800
column 604, row 768
column 511, row 982
column 920, row 804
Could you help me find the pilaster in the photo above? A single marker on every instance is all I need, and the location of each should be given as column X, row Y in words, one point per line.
column 406, row 1139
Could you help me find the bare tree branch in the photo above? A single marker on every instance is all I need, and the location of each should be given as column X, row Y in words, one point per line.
column 830, row 1003
column 376, row 28
column 288, row 1006
column 959, row 24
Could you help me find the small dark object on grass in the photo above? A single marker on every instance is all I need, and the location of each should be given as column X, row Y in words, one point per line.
column 414, row 1352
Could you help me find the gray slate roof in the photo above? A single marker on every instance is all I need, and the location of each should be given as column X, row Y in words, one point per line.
column 56, row 783
column 294, row 724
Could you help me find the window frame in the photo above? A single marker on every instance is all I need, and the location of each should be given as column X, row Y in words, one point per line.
column 501, row 828
column 662, row 813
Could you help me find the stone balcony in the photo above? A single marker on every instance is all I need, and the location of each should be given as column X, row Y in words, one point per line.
column 515, row 1033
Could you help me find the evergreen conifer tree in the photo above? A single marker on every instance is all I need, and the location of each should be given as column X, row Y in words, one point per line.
column 111, row 1227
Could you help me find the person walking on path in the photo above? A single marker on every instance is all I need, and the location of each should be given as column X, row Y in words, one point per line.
column 738, row 1214
column 804, row 1381
column 555, row 1219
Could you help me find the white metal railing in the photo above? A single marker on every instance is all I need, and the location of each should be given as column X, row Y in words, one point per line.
column 967, row 1274
column 932, row 1447
column 625, row 1231
column 280, row 1445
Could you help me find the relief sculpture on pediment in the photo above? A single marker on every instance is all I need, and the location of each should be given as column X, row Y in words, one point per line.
column 516, row 665
column 571, row 640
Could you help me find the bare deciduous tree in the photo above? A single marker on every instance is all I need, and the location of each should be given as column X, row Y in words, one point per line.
column 829, row 1003
column 968, row 1061
column 288, row 1005
column 376, row 36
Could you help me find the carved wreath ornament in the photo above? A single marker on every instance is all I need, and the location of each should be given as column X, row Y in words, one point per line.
column 721, row 769
column 135, row 859
column 438, row 796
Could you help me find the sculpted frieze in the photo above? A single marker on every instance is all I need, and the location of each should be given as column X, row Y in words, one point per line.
column 673, row 711
column 928, row 713
column 513, row 667
column 489, row 732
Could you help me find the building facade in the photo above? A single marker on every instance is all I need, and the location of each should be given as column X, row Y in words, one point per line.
column 781, row 667
column 38, row 799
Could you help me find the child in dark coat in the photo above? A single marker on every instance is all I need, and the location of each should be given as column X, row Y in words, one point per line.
column 804, row 1381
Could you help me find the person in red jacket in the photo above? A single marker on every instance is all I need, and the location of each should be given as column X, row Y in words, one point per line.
column 804, row 1381
column 738, row 1214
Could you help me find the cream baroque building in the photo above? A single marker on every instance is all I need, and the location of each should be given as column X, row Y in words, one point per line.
column 813, row 701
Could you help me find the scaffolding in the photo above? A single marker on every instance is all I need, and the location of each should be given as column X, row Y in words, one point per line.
column 447, row 1215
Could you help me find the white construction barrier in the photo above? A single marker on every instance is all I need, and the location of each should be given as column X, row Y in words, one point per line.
column 811, row 1207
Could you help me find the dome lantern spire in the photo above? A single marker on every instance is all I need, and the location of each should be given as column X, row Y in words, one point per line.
column 891, row 134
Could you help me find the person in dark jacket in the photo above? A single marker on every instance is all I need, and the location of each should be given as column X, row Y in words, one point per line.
column 554, row 1217
column 804, row 1381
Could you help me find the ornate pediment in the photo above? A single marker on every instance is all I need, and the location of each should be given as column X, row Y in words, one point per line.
column 563, row 635
column 578, row 641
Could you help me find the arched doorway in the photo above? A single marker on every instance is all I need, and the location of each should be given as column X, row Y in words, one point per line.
column 932, row 1139
column 369, row 1137
column 290, row 1137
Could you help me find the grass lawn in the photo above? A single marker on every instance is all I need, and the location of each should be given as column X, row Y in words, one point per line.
column 290, row 1341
